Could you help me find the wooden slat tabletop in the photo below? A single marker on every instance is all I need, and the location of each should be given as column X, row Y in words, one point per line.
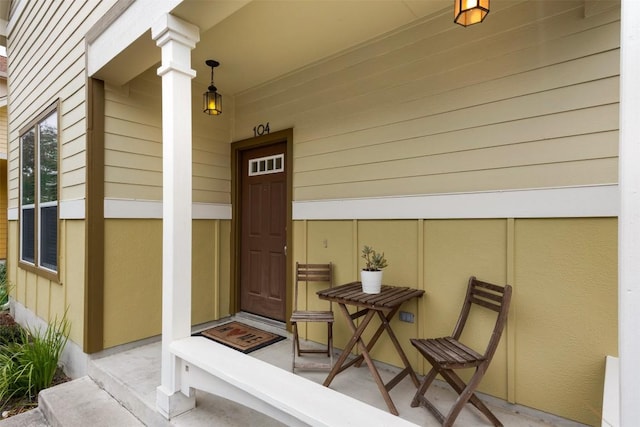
column 388, row 298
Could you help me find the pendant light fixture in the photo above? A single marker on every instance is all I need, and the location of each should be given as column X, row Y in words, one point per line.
column 212, row 100
column 469, row 12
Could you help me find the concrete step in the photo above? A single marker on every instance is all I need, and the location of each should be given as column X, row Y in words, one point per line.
column 129, row 388
column 132, row 376
column 80, row 403
column 32, row 418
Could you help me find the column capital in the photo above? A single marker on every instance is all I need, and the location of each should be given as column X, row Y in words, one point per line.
column 176, row 38
column 169, row 28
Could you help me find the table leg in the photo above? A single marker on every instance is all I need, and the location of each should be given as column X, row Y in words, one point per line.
column 408, row 369
column 376, row 376
column 338, row 366
column 378, row 333
column 357, row 338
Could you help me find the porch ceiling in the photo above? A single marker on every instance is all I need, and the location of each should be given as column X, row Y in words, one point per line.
column 266, row 39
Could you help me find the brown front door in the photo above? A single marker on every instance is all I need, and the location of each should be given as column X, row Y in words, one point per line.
column 263, row 231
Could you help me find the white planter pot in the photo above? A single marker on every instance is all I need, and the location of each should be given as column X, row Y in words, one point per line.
column 371, row 281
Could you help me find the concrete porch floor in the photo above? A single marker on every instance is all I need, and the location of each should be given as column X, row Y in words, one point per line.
column 132, row 375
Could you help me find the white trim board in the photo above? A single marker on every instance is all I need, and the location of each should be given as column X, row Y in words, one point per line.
column 152, row 209
column 72, row 209
column 133, row 209
column 569, row 202
column 69, row 209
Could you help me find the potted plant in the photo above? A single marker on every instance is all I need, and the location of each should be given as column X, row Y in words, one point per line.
column 371, row 274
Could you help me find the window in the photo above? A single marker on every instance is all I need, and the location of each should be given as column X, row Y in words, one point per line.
column 266, row 165
column 39, row 193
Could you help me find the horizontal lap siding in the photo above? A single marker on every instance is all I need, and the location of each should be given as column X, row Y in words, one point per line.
column 133, row 139
column 3, row 129
column 133, row 144
column 47, row 63
column 46, row 50
column 434, row 108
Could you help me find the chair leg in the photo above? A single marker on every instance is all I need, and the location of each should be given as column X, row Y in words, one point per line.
column 466, row 394
column 330, row 343
column 296, row 345
column 420, row 399
column 426, row 382
column 297, row 350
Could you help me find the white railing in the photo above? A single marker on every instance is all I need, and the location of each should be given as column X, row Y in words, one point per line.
column 280, row 394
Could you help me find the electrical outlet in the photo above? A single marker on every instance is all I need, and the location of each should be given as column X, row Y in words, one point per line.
column 405, row 316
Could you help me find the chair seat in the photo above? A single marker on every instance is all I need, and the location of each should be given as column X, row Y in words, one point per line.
column 312, row 316
column 448, row 352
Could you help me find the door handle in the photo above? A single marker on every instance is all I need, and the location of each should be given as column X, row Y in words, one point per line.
column 285, row 250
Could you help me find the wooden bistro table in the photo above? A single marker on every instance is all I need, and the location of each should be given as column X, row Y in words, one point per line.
column 385, row 304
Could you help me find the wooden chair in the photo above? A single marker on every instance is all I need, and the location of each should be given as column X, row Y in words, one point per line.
column 306, row 273
column 447, row 353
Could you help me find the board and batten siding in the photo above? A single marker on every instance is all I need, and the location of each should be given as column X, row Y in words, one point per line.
column 133, row 144
column 563, row 315
column 435, row 108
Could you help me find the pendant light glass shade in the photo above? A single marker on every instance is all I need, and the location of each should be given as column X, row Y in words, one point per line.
column 212, row 100
column 469, row 12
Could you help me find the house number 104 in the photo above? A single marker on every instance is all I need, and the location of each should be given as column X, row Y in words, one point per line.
column 261, row 129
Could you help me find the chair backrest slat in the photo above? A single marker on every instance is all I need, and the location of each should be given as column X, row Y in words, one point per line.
column 306, row 273
column 490, row 296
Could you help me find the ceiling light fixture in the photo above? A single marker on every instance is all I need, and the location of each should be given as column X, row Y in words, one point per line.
column 469, row 12
column 212, row 100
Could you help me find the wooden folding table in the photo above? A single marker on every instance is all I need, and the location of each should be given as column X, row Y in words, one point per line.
column 385, row 304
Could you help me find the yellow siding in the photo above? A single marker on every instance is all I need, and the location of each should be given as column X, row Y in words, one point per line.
column 132, row 280
column 566, row 320
column 3, row 209
column 433, row 109
column 133, row 277
column 563, row 320
column 3, row 129
column 203, row 271
column 72, row 276
column 3, row 179
column 41, row 38
column 224, row 270
column 47, row 299
column 455, row 250
column 48, row 65
column 133, row 144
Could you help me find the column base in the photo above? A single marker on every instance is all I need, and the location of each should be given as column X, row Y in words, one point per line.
column 171, row 405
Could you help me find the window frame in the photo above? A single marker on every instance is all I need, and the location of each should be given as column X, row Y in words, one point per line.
column 36, row 267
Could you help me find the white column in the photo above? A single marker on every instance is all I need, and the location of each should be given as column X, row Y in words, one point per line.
column 629, row 219
column 176, row 38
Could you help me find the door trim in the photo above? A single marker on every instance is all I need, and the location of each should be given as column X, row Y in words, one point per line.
column 236, row 149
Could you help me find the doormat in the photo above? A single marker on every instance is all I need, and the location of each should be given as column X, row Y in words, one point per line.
column 241, row 337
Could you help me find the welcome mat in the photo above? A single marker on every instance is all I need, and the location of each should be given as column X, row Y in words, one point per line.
column 241, row 337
